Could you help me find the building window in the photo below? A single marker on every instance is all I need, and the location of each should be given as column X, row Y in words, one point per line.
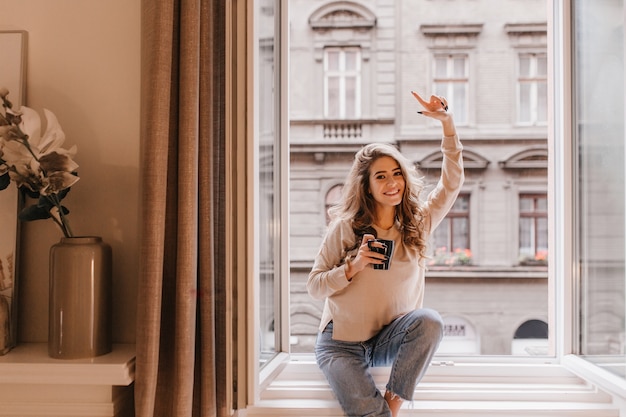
column 450, row 239
column 451, row 79
column 342, row 83
column 332, row 198
column 532, row 89
column 533, row 229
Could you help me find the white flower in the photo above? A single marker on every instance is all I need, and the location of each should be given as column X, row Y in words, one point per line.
column 36, row 163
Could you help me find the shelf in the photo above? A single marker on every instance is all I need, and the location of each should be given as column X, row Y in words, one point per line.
column 29, row 363
column 34, row 384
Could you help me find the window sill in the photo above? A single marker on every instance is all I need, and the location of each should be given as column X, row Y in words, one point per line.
column 448, row 388
column 595, row 374
column 484, row 272
column 32, row 383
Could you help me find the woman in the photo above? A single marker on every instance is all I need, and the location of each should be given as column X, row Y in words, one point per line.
column 372, row 316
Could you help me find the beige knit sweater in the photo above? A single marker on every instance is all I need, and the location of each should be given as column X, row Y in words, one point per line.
column 373, row 298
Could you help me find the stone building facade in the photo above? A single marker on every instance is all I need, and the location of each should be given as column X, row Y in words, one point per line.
column 353, row 65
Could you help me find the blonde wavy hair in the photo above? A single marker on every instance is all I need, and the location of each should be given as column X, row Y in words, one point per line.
column 358, row 206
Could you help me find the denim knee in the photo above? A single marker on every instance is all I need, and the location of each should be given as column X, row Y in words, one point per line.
column 419, row 344
column 431, row 321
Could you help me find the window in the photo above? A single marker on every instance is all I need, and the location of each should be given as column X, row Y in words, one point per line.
column 451, row 239
column 268, row 180
column 532, row 89
column 342, row 83
column 332, row 197
column 599, row 183
column 597, row 277
column 393, row 58
column 533, row 229
column 451, row 79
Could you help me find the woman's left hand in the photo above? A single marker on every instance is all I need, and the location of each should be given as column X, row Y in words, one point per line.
column 436, row 103
column 437, row 108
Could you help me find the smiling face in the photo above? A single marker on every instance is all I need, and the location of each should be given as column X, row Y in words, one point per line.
column 386, row 182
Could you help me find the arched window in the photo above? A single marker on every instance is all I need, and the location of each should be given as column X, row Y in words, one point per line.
column 332, row 197
column 531, row 338
column 343, row 34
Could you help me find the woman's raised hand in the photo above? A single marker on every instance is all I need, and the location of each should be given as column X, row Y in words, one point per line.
column 436, row 103
column 437, row 108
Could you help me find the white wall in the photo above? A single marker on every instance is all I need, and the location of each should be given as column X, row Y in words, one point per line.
column 84, row 65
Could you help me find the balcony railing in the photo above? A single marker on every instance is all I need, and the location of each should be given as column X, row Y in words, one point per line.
column 343, row 129
column 355, row 130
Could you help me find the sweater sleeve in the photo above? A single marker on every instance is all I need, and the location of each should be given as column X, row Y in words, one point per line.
column 329, row 273
column 442, row 197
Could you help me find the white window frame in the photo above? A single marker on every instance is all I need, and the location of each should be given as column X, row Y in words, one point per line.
column 532, row 216
column 447, row 223
column 342, row 74
column 561, row 197
column 250, row 375
column 561, row 239
column 450, row 81
column 533, row 80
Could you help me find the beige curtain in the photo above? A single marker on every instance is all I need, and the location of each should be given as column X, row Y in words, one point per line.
column 180, row 369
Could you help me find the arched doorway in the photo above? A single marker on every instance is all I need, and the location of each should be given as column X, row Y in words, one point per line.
column 531, row 338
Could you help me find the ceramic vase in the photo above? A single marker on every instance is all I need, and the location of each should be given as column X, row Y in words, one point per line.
column 80, row 298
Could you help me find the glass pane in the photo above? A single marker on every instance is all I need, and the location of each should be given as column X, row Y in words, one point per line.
column 332, row 97
column 458, row 104
column 459, row 67
column 542, row 234
column 542, row 204
column 525, row 204
column 524, row 103
column 542, row 66
column 266, row 97
column 542, row 102
column 350, row 98
column 525, row 237
column 351, row 62
column 441, row 67
column 441, row 89
column 441, row 238
column 599, row 130
column 268, row 186
column 332, row 60
column 460, row 240
column 524, row 66
column 461, row 204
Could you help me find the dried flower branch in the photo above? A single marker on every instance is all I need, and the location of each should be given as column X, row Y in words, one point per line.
column 37, row 164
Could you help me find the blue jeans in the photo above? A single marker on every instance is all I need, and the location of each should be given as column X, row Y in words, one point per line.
column 407, row 344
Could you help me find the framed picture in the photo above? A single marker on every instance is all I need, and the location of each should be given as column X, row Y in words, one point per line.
column 12, row 76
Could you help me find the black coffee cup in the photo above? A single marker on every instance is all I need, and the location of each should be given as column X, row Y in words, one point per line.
column 386, row 250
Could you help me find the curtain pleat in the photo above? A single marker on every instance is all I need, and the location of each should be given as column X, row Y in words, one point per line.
column 180, row 370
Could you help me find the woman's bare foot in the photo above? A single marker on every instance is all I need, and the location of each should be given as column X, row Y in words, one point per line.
column 394, row 402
